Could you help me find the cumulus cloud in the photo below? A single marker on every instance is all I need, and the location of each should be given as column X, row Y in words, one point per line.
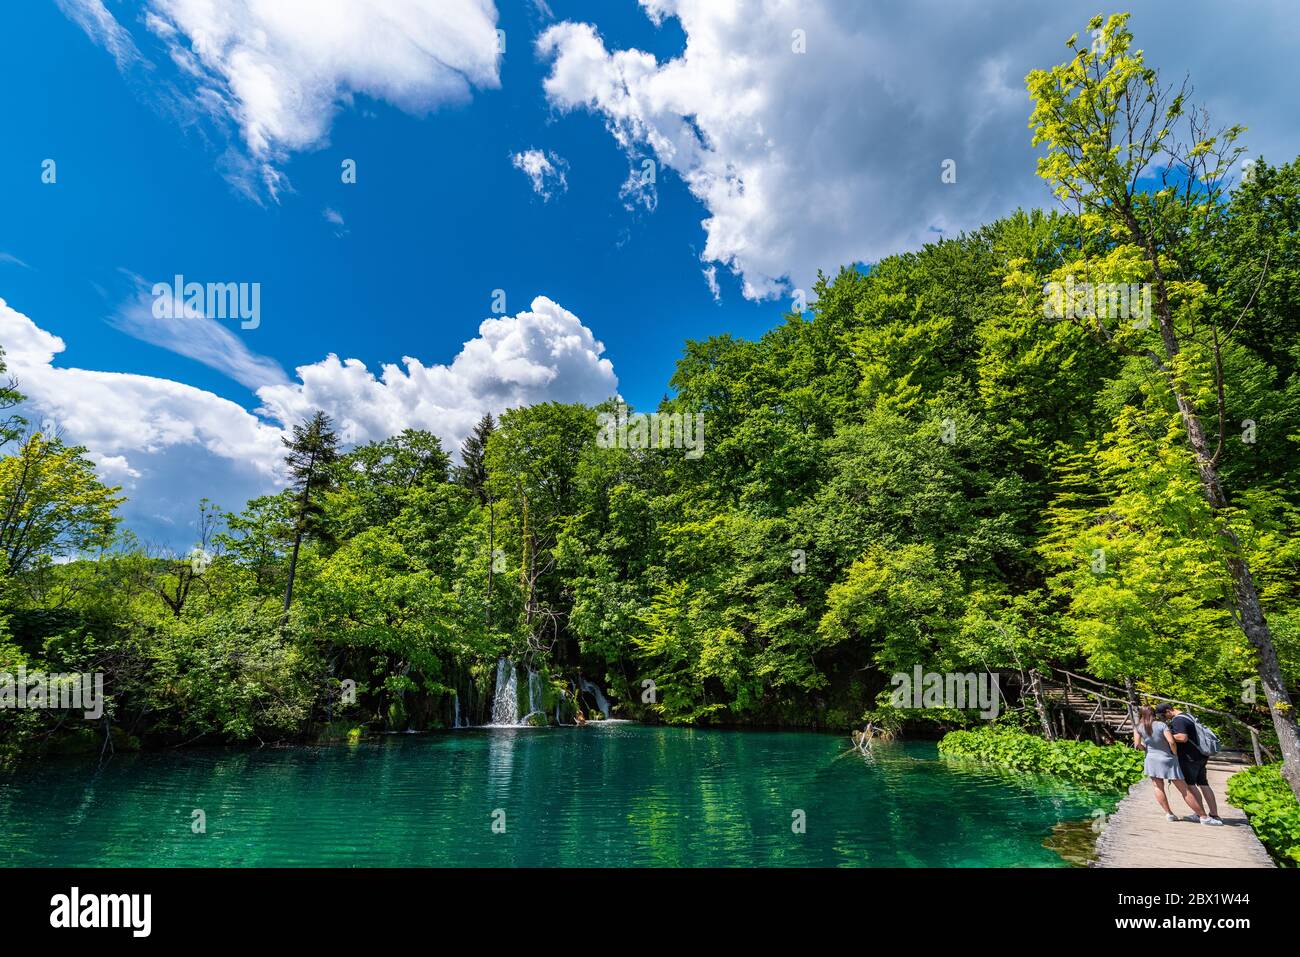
column 277, row 72
column 117, row 415
column 169, row 443
column 834, row 155
column 542, row 354
column 546, row 171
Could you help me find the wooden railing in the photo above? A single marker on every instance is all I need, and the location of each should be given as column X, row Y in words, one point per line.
column 1080, row 684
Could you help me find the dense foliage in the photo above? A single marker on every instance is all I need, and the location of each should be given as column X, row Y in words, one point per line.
column 1100, row 767
column 1273, row 811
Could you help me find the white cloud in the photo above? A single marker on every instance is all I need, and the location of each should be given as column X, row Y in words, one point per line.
column 93, row 17
column 833, row 156
column 12, row 260
column 711, row 277
column 114, row 469
column 335, row 219
column 205, row 340
column 546, row 171
column 278, row 71
column 117, row 415
column 542, row 354
column 169, row 443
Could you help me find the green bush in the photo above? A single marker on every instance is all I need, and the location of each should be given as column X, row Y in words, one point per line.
column 1273, row 811
column 1108, row 767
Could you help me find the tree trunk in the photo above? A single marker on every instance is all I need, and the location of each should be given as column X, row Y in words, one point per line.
column 1131, row 696
column 293, row 567
column 299, row 530
column 492, row 559
column 1040, row 705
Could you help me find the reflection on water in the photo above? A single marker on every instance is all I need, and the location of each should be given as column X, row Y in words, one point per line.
column 613, row 794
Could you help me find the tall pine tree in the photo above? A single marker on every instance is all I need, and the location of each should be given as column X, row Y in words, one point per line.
column 473, row 451
column 312, row 451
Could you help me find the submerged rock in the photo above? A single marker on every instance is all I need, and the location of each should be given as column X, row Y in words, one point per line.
column 1074, row 841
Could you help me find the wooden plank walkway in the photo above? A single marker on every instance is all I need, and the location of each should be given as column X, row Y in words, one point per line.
column 1137, row 834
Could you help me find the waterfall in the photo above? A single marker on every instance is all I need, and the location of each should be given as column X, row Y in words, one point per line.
column 534, row 692
column 456, row 721
column 505, row 702
column 601, row 703
column 534, row 700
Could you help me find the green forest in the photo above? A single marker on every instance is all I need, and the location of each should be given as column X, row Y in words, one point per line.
column 928, row 464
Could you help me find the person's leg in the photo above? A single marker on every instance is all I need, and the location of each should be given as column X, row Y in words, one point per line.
column 1194, row 772
column 1161, row 799
column 1189, row 795
column 1207, row 795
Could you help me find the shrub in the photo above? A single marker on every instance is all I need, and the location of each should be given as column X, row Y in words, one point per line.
column 1272, row 809
column 1104, row 767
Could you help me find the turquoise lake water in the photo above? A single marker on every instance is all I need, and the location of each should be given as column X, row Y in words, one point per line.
column 615, row 794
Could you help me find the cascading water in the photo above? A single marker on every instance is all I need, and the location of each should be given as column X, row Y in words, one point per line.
column 457, row 721
column 534, row 692
column 601, row 703
column 535, row 716
column 505, row 702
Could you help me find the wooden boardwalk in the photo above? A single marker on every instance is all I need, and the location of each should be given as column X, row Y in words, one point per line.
column 1137, row 834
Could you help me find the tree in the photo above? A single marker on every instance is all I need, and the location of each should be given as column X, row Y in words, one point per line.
column 473, row 474
column 11, row 424
column 257, row 539
column 313, row 450
column 532, row 463
column 1112, row 132
column 1140, row 569
column 377, row 480
column 52, row 504
column 181, row 573
column 473, row 457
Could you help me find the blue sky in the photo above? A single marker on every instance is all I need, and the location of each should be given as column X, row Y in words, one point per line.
column 437, row 220
column 175, row 155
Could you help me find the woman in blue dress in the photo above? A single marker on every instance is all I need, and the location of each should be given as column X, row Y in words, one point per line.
column 1162, row 762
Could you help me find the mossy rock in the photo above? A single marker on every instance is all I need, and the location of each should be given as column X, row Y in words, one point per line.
column 549, row 695
column 537, row 719
column 521, row 689
column 341, row 730
column 397, row 718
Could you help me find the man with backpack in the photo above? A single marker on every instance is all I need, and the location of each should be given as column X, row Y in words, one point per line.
column 1195, row 745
